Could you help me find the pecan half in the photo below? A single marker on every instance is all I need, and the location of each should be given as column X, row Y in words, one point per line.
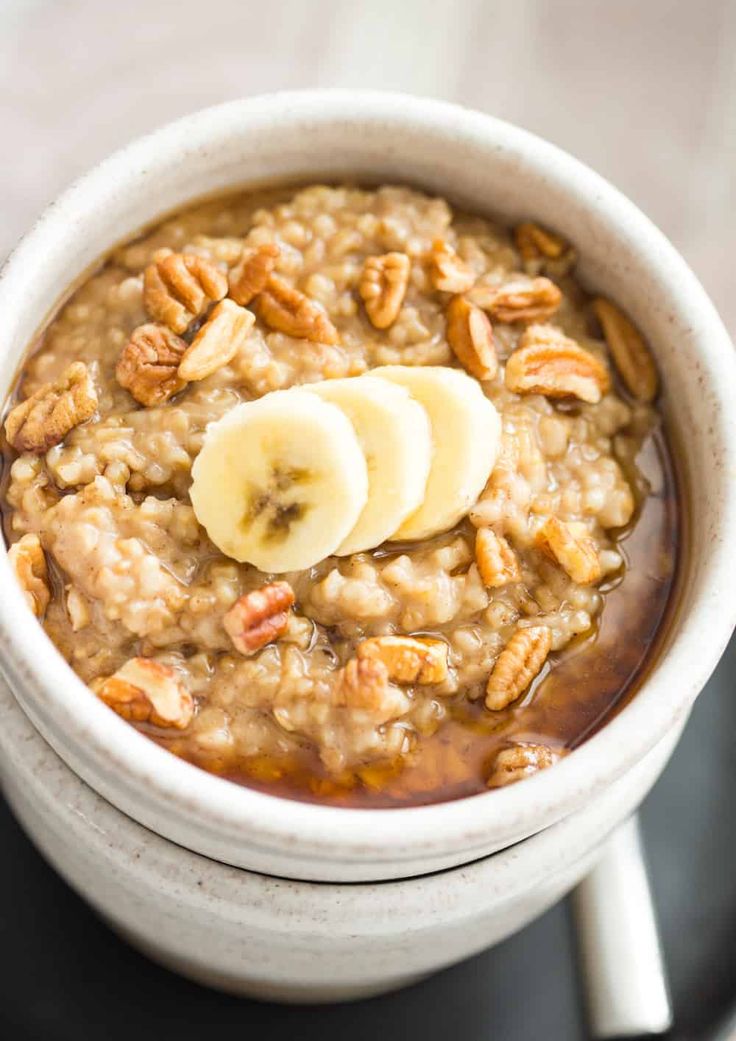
column 28, row 561
column 46, row 417
column 250, row 275
column 147, row 366
column 520, row 761
column 517, row 665
column 497, row 563
column 289, row 311
column 363, row 685
column 177, row 287
column 543, row 250
column 521, row 300
column 259, row 617
column 470, row 336
column 548, row 362
column 447, row 271
column 146, row 691
column 409, row 659
column 217, row 342
column 382, row 287
column 570, row 546
column 630, row 352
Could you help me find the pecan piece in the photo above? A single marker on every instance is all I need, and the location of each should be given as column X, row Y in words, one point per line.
column 548, row 362
column 630, row 352
column 46, row 417
column 250, row 275
column 408, row 659
column 570, row 546
column 542, row 249
column 217, row 342
column 521, row 300
column 470, row 336
column 517, row 665
column 497, row 563
column 447, row 271
column 146, row 691
column 259, row 617
column 520, row 761
column 289, row 311
column 363, row 685
column 147, row 366
column 382, row 287
column 177, row 287
column 28, row 561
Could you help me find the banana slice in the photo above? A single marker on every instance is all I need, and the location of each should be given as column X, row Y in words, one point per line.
column 466, row 430
column 395, row 436
column 280, row 482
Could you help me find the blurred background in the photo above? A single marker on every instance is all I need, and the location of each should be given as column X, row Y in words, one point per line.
column 642, row 90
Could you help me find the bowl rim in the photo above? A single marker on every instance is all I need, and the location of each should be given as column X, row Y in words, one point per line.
column 277, row 822
column 107, row 832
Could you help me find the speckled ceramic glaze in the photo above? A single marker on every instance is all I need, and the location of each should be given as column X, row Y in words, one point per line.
column 484, row 165
column 285, row 940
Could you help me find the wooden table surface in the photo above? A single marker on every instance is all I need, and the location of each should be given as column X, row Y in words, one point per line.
column 645, row 92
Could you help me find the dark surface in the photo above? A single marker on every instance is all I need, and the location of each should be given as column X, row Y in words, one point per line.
column 65, row 976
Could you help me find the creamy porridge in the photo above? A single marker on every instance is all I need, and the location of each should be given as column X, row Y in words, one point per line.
column 462, row 625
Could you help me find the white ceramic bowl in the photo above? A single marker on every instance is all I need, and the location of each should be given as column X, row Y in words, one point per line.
column 284, row 940
column 484, row 165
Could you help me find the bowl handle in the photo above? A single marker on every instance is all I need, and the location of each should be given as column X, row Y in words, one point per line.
column 623, row 969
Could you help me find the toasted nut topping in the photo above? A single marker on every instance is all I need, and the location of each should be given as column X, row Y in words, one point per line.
column 364, row 685
column 147, row 366
column 250, row 275
column 28, row 561
column 543, row 250
column 448, row 272
column 497, row 563
column 44, row 419
column 517, row 665
column 572, row 548
column 409, row 659
column 520, row 761
column 217, row 342
column 470, row 336
column 533, row 241
column 523, row 300
column 548, row 362
column 259, row 617
column 629, row 350
column 289, row 311
column 383, row 286
column 177, row 288
column 146, row 691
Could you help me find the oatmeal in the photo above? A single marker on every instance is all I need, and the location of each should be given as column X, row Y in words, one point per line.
column 468, row 589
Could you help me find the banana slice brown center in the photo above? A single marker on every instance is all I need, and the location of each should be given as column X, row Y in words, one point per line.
column 275, row 507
